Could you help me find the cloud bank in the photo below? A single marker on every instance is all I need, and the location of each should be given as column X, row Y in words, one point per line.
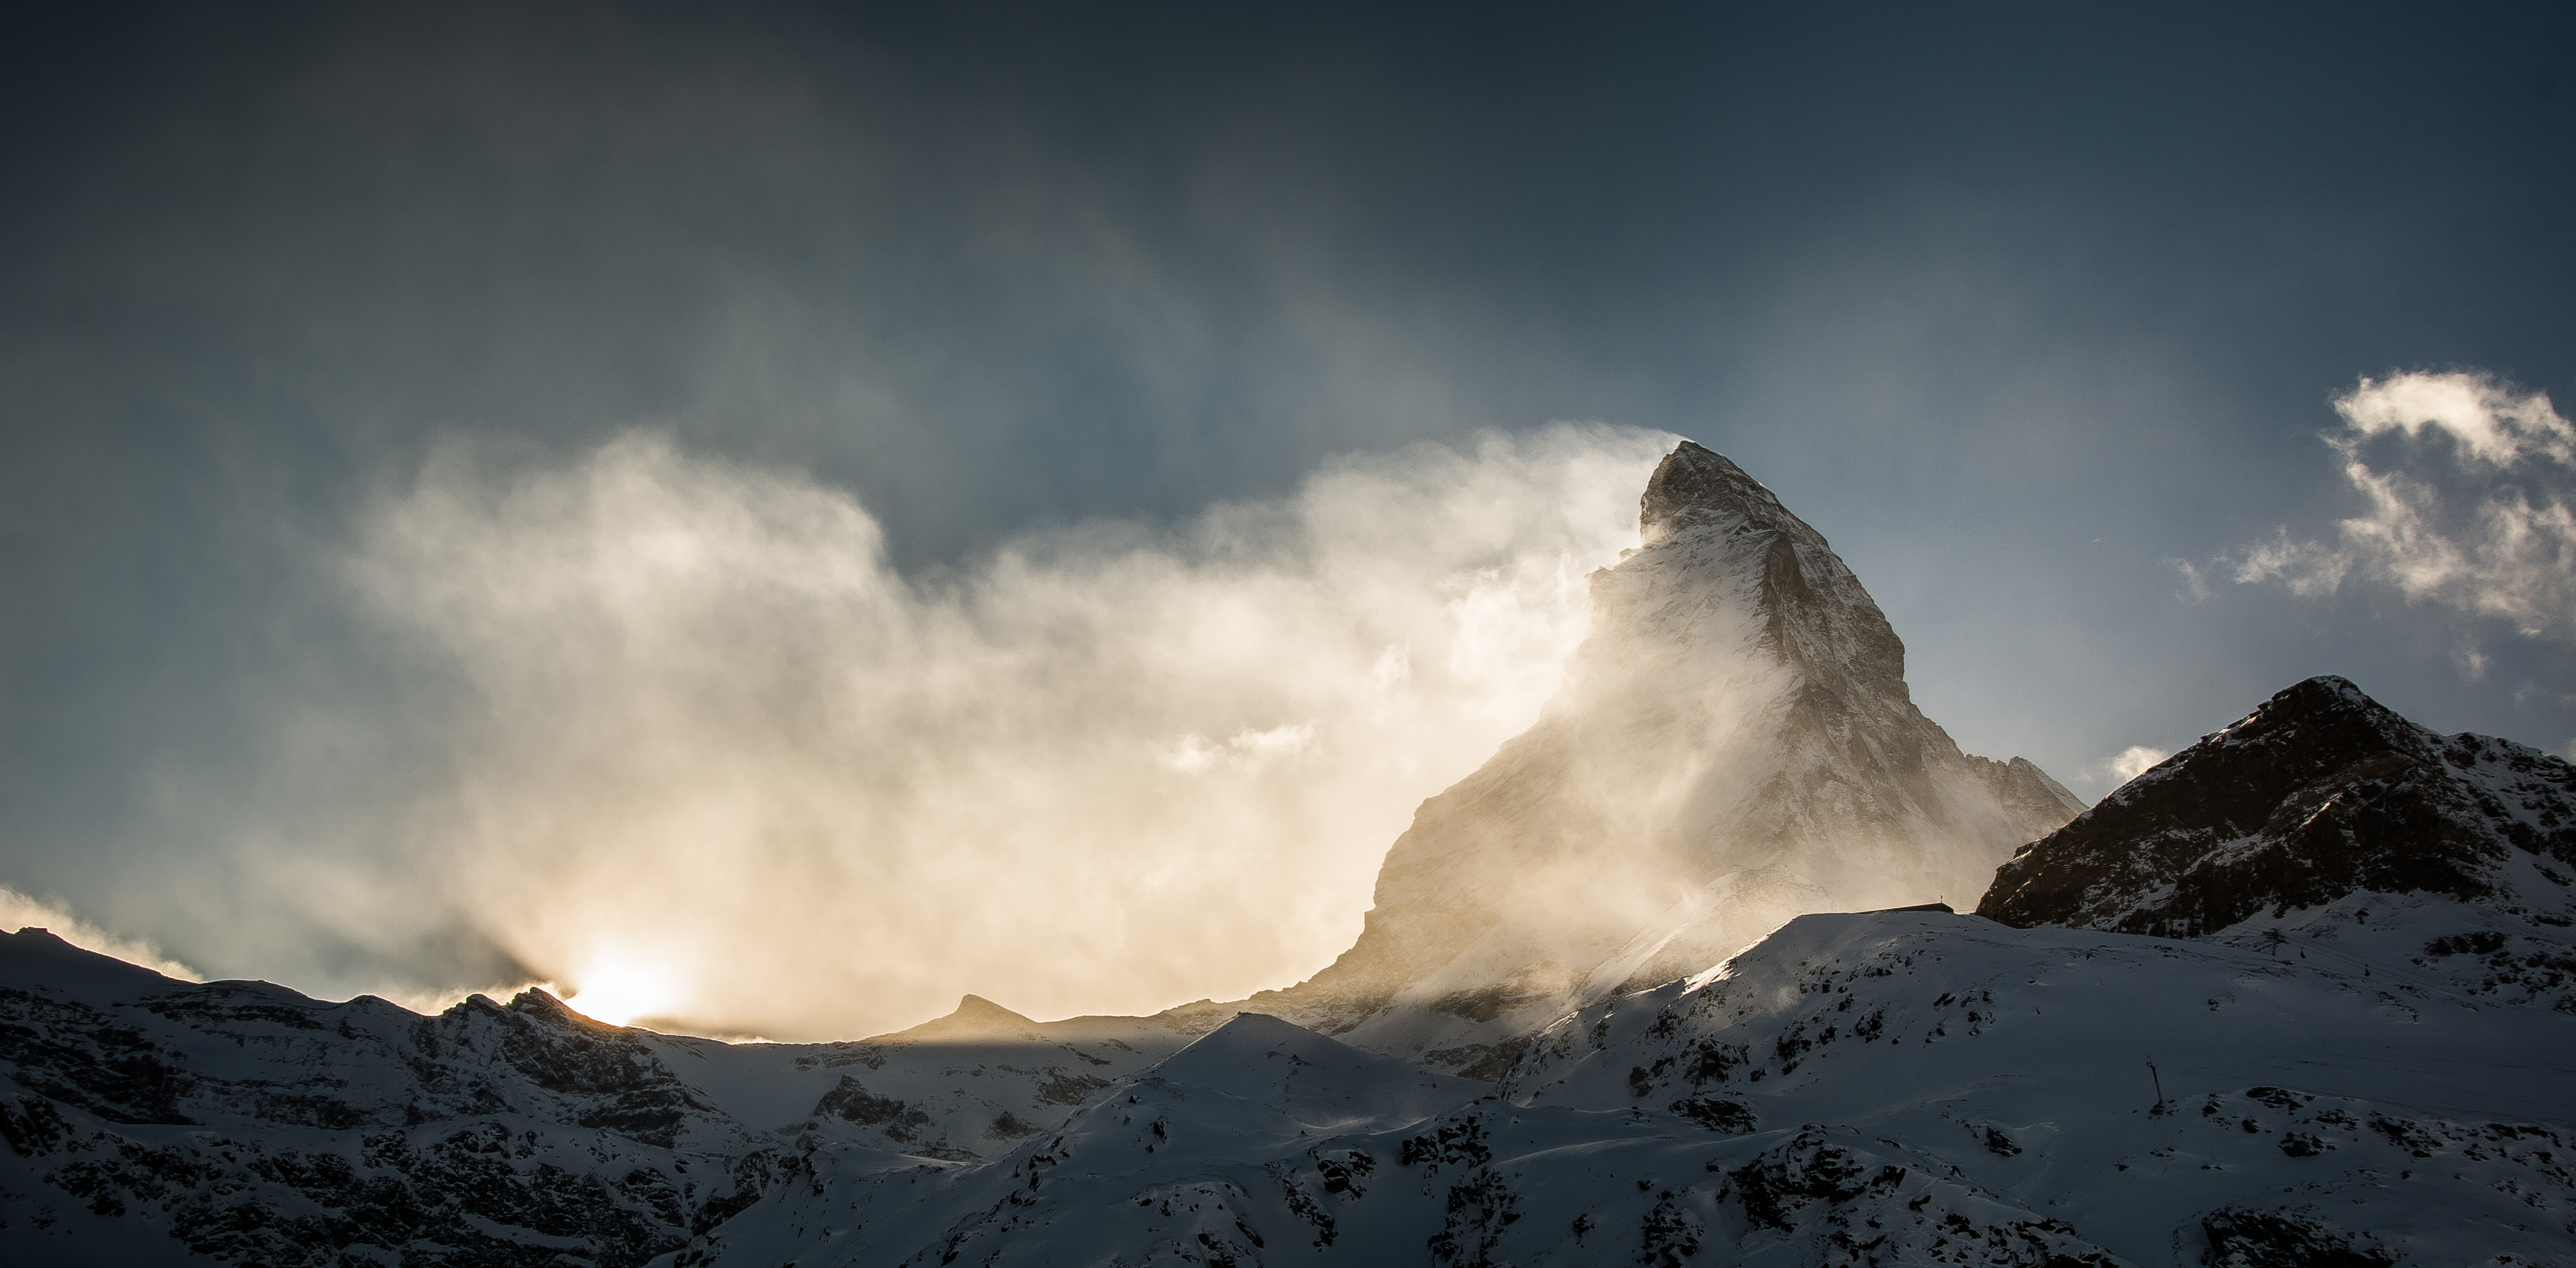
column 2474, row 516
column 725, row 763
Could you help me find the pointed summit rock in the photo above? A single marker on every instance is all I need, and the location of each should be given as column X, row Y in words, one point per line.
column 1734, row 745
column 975, row 1020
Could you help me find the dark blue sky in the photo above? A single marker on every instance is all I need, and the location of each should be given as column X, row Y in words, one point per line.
column 2013, row 302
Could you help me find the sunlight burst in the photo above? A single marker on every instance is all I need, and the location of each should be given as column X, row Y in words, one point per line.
column 618, row 992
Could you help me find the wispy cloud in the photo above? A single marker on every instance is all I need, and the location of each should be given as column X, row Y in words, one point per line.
column 2195, row 583
column 2473, row 515
column 724, row 755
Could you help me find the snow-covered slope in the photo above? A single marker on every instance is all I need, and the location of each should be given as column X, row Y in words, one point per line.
column 1886, row 1088
column 967, row 1085
column 1734, row 745
column 2325, row 825
column 2161, row 1100
column 145, row 1118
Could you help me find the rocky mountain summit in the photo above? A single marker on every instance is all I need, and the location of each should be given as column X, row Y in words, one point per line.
column 1734, row 744
column 2325, row 822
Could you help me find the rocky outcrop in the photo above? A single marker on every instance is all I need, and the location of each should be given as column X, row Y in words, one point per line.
column 1734, row 744
column 2325, row 815
column 2318, row 794
column 245, row 1123
column 145, row 1120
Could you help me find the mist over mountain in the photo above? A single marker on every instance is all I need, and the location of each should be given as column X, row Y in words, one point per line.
column 1734, row 744
column 812, row 635
column 2029, row 308
column 2298, row 995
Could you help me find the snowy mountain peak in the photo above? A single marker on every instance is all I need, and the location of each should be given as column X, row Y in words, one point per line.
column 1734, row 744
column 1695, row 485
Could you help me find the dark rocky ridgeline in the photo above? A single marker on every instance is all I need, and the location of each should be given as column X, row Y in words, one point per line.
column 144, row 1119
column 2325, row 822
column 2319, row 793
column 591, row 1075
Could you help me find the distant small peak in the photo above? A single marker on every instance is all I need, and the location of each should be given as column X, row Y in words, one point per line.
column 974, row 1019
column 1691, row 480
column 979, row 1008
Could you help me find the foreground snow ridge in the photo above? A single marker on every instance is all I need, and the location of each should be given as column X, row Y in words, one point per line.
column 1907, row 1087
column 1892, row 1088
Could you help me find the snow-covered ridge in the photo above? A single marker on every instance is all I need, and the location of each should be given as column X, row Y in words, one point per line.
column 1880, row 1088
column 146, row 1118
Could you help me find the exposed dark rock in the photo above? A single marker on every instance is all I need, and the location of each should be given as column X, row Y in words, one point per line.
column 1716, row 1114
column 322, row 1133
column 2320, row 793
column 852, row 1101
column 2289, row 1238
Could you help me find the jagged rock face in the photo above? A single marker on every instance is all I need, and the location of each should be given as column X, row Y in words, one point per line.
column 1734, row 744
column 2321, row 792
column 145, row 1120
column 2308, row 815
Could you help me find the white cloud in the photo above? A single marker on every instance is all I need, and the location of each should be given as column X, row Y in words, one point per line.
column 1249, row 749
column 18, row 911
column 2195, row 586
column 2488, row 533
column 2486, row 420
column 722, row 749
column 2471, row 661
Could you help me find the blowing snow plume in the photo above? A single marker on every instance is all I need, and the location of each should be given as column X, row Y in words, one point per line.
column 1734, row 745
column 726, row 769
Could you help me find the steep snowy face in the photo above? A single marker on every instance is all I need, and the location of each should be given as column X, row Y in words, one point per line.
column 2323, row 823
column 1734, row 744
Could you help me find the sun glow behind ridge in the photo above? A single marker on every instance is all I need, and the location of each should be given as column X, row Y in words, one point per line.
column 620, row 991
